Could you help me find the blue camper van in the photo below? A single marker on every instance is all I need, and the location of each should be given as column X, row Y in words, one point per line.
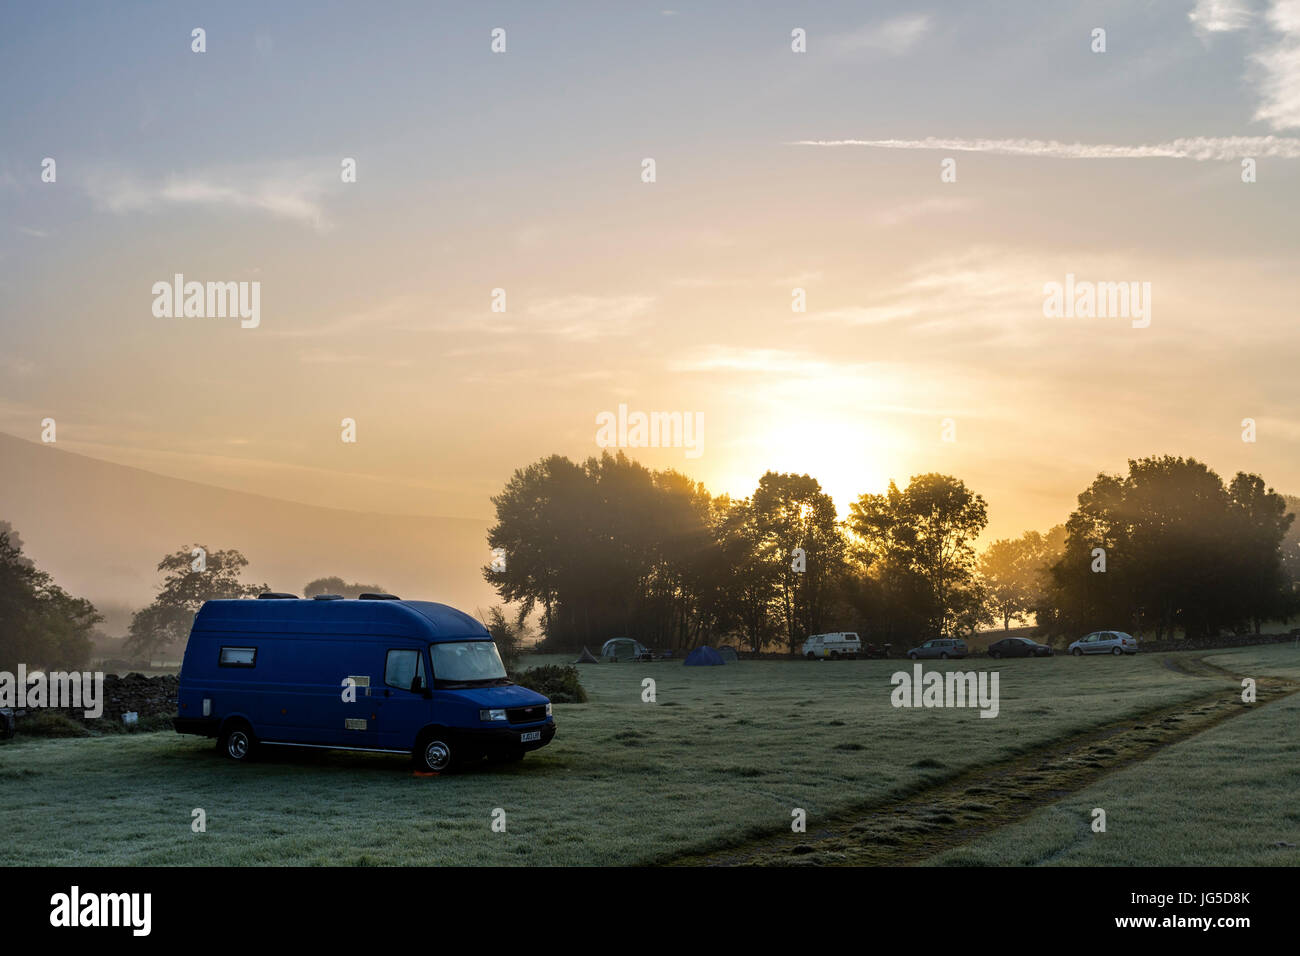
column 376, row 673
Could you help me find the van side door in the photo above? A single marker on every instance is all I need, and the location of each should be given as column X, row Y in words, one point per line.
column 403, row 705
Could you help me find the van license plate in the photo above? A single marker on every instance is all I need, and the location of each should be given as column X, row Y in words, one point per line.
column 530, row 736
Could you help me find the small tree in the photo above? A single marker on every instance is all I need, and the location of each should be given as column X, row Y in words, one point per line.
column 336, row 585
column 187, row 585
column 1014, row 572
column 508, row 635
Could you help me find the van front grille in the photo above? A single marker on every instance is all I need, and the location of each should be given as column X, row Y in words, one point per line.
column 526, row 715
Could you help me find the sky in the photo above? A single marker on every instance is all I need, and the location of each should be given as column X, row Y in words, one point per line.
column 924, row 345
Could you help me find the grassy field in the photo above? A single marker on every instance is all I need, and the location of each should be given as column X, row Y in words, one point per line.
column 724, row 754
column 1227, row 796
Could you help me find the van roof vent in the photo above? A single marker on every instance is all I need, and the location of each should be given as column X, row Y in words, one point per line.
column 378, row 597
column 276, row 596
column 327, row 597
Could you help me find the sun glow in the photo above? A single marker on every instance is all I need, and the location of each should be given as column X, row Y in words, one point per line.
column 849, row 459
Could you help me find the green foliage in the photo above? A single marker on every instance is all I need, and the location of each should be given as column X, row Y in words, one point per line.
column 336, row 585
column 607, row 548
column 920, row 543
column 792, row 512
column 610, row 548
column 508, row 635
column 559, row 682
column 1182, row 551
column 41, row 625
column 166, row 622
column 1014, row 572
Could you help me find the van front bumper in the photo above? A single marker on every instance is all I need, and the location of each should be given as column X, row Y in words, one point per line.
column 498, row 739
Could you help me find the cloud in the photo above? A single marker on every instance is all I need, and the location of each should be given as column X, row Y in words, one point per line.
column 585, row 317
column 1275, row 52
column 1279, row 68
column 389, row 313
column 789, row 379
column 752, row 360
column 282, row 191
column 935, row 205
column 1220, row 16
column 1198, row 148
column 893, row 37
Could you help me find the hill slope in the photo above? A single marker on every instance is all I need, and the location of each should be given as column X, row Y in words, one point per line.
column 101, row 528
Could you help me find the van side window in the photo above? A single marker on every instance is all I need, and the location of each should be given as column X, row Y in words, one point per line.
column 405, row 669
column 238, row 657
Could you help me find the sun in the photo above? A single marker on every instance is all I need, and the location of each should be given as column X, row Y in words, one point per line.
column 848, row 458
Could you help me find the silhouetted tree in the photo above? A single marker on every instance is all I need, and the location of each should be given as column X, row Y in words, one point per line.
column 1014, row 572
column 920, row 541
column 1181, row 551
column 41, row 625
column 792, row 512
column 336, row 585
column 167, row 620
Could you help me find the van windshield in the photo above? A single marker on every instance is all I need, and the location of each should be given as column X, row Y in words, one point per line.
column 466, row 662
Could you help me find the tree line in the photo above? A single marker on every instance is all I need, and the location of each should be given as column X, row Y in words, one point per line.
column 607, row 547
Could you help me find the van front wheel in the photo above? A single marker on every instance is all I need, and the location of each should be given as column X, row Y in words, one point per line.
column 435, row 754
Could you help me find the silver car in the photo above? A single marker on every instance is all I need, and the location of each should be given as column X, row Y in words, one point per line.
column 1105, row 642
column 942, row 648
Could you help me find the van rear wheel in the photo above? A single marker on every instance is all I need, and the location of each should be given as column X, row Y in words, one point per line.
column 237, row 742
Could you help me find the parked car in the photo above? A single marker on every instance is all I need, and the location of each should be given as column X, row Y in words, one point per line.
column 1105, row 642
column 1019, row 647
column 378, row 674
column 832, row 646
column 942, row 648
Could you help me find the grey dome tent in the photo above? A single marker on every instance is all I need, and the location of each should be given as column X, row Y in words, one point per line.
column 624, row 649
column 728, row 655
column 586, row 658
column 703, row 656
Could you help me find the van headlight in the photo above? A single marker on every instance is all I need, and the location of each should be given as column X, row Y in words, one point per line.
column 494, row 714
column 548, row 708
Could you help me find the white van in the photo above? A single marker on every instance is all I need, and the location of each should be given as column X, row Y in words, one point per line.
column 832, row 646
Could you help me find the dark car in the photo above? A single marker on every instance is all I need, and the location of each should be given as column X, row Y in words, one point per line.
column 1019, row 647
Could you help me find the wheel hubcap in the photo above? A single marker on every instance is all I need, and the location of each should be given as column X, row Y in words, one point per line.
column 437, row 755
column 238, row 746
